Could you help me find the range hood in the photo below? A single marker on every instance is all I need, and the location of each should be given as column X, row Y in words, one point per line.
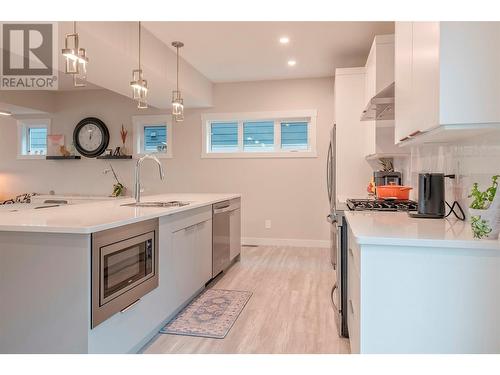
column 381, row 106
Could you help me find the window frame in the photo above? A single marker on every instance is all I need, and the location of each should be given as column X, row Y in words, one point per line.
column 277, row 117
column 23, row 127
column 142, row 121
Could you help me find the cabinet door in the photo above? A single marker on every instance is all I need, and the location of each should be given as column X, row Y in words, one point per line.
column 184, row 265
column 204, row 249
column 403, row 54
column 235, row 233
column 425, row 75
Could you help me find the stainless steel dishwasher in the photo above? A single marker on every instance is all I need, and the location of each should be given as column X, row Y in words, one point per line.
column 220, row 237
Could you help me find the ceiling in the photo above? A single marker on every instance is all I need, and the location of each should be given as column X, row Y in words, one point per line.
column 248, row 51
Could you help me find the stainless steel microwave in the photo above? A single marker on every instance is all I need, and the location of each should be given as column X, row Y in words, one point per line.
column 124, row 267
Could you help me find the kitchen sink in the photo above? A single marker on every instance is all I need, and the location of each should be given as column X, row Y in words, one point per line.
column 157, row 204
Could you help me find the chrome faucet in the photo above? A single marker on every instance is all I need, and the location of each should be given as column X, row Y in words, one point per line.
column 137, row 183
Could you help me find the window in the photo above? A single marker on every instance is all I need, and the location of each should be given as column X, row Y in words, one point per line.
column 37, row 140
column 224, row 136
column 152, row 134
column 259, row 134
column 294, row 135
column 32, row 138
column 155, row 138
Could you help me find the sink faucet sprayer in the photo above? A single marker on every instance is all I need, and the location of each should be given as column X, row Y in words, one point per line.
column 137, row 184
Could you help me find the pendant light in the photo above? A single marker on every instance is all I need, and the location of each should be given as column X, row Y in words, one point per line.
column 76, row 58
column 139, row 84
column 177, row 101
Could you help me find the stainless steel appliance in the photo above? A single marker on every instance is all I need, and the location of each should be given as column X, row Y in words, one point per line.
column 381, row 205
column 124, row 267
column 431, row 201
column 382, row 178
column 338, row 242
column 221, row 236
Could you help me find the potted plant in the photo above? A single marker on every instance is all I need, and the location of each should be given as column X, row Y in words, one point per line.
column 118, row 188
column 485, row 210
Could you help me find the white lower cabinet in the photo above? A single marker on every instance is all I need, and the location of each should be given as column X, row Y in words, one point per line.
column 353, row 293
column 185, row 265
column 191, row 258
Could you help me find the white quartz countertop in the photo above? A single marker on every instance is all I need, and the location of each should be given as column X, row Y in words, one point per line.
column 398, row 229
column 97, row 216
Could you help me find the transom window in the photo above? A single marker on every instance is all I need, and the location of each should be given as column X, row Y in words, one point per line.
column 261, row 134
column 32, row 138
column 152, row 135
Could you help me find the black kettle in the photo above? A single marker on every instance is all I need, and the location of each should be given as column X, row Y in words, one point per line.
column 431, row 199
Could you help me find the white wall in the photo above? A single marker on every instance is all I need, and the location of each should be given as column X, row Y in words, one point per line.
column 472, row 160
column 81, row 176
column 291, row 192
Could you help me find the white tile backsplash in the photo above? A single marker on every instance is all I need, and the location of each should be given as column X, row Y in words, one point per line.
column 471, row 160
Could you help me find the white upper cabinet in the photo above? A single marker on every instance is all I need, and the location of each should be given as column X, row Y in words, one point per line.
column 380, row 65
column 379, row 71
column 355, row 138
column 470, row 72
column 403, row 42
column 447, row 80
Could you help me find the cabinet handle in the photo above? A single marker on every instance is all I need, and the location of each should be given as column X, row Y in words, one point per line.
column 351, row 252
column 351, row 306
column 191, row 227
column 130, row 306
column 415, row 133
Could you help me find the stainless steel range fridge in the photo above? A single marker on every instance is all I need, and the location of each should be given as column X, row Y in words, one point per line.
column 338, row 241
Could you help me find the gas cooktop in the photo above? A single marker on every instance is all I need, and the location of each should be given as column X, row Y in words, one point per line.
column 381, row 205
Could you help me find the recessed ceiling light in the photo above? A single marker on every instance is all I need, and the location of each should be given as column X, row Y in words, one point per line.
column 292, row 62
column 284, row 40
column 5, row 113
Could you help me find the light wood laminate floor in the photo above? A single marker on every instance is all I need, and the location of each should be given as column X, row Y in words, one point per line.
column 289, row 312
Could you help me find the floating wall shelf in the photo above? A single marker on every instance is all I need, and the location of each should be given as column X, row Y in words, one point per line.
column 56, row 157
column 113, row 157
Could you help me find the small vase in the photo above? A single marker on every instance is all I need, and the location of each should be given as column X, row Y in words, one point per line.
column 491, row 216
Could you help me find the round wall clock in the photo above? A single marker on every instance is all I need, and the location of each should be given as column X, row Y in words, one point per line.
column 91, row 137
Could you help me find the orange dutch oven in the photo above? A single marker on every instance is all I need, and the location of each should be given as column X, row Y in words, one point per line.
column 393, row 191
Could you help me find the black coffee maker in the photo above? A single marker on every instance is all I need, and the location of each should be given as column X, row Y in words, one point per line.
column 431, row 199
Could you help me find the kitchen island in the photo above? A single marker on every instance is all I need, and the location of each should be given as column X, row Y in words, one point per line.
column 46, row 273
column 421, row 286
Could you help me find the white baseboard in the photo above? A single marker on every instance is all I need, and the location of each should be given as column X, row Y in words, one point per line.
column 284, row 242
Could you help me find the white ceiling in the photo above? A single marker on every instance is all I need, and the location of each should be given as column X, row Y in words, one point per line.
column 248, row 51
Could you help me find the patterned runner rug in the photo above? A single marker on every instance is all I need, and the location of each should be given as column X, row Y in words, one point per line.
column 211, row 314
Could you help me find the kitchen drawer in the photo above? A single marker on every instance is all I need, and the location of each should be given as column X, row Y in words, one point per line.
column 353, row 325
column 353, row 252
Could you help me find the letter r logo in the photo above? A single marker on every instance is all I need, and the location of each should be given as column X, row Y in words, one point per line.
column 27, row 49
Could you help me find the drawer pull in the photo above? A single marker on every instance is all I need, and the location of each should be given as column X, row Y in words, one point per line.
column 351, row 306
column 130, row 306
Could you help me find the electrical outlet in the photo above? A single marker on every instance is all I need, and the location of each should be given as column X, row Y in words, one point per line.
column 267, row 224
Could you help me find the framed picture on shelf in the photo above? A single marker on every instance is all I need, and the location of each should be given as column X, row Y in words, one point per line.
column 54, row 143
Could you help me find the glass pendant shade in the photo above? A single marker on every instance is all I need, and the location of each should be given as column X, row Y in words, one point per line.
column 139, row 84
column 177, row 101
column 76, row 59
column 80, row 78
column 177, row 106
column 139, row 88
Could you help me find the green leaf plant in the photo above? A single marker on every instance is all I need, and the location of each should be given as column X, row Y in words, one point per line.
column 480, row 227
column 482, row 199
